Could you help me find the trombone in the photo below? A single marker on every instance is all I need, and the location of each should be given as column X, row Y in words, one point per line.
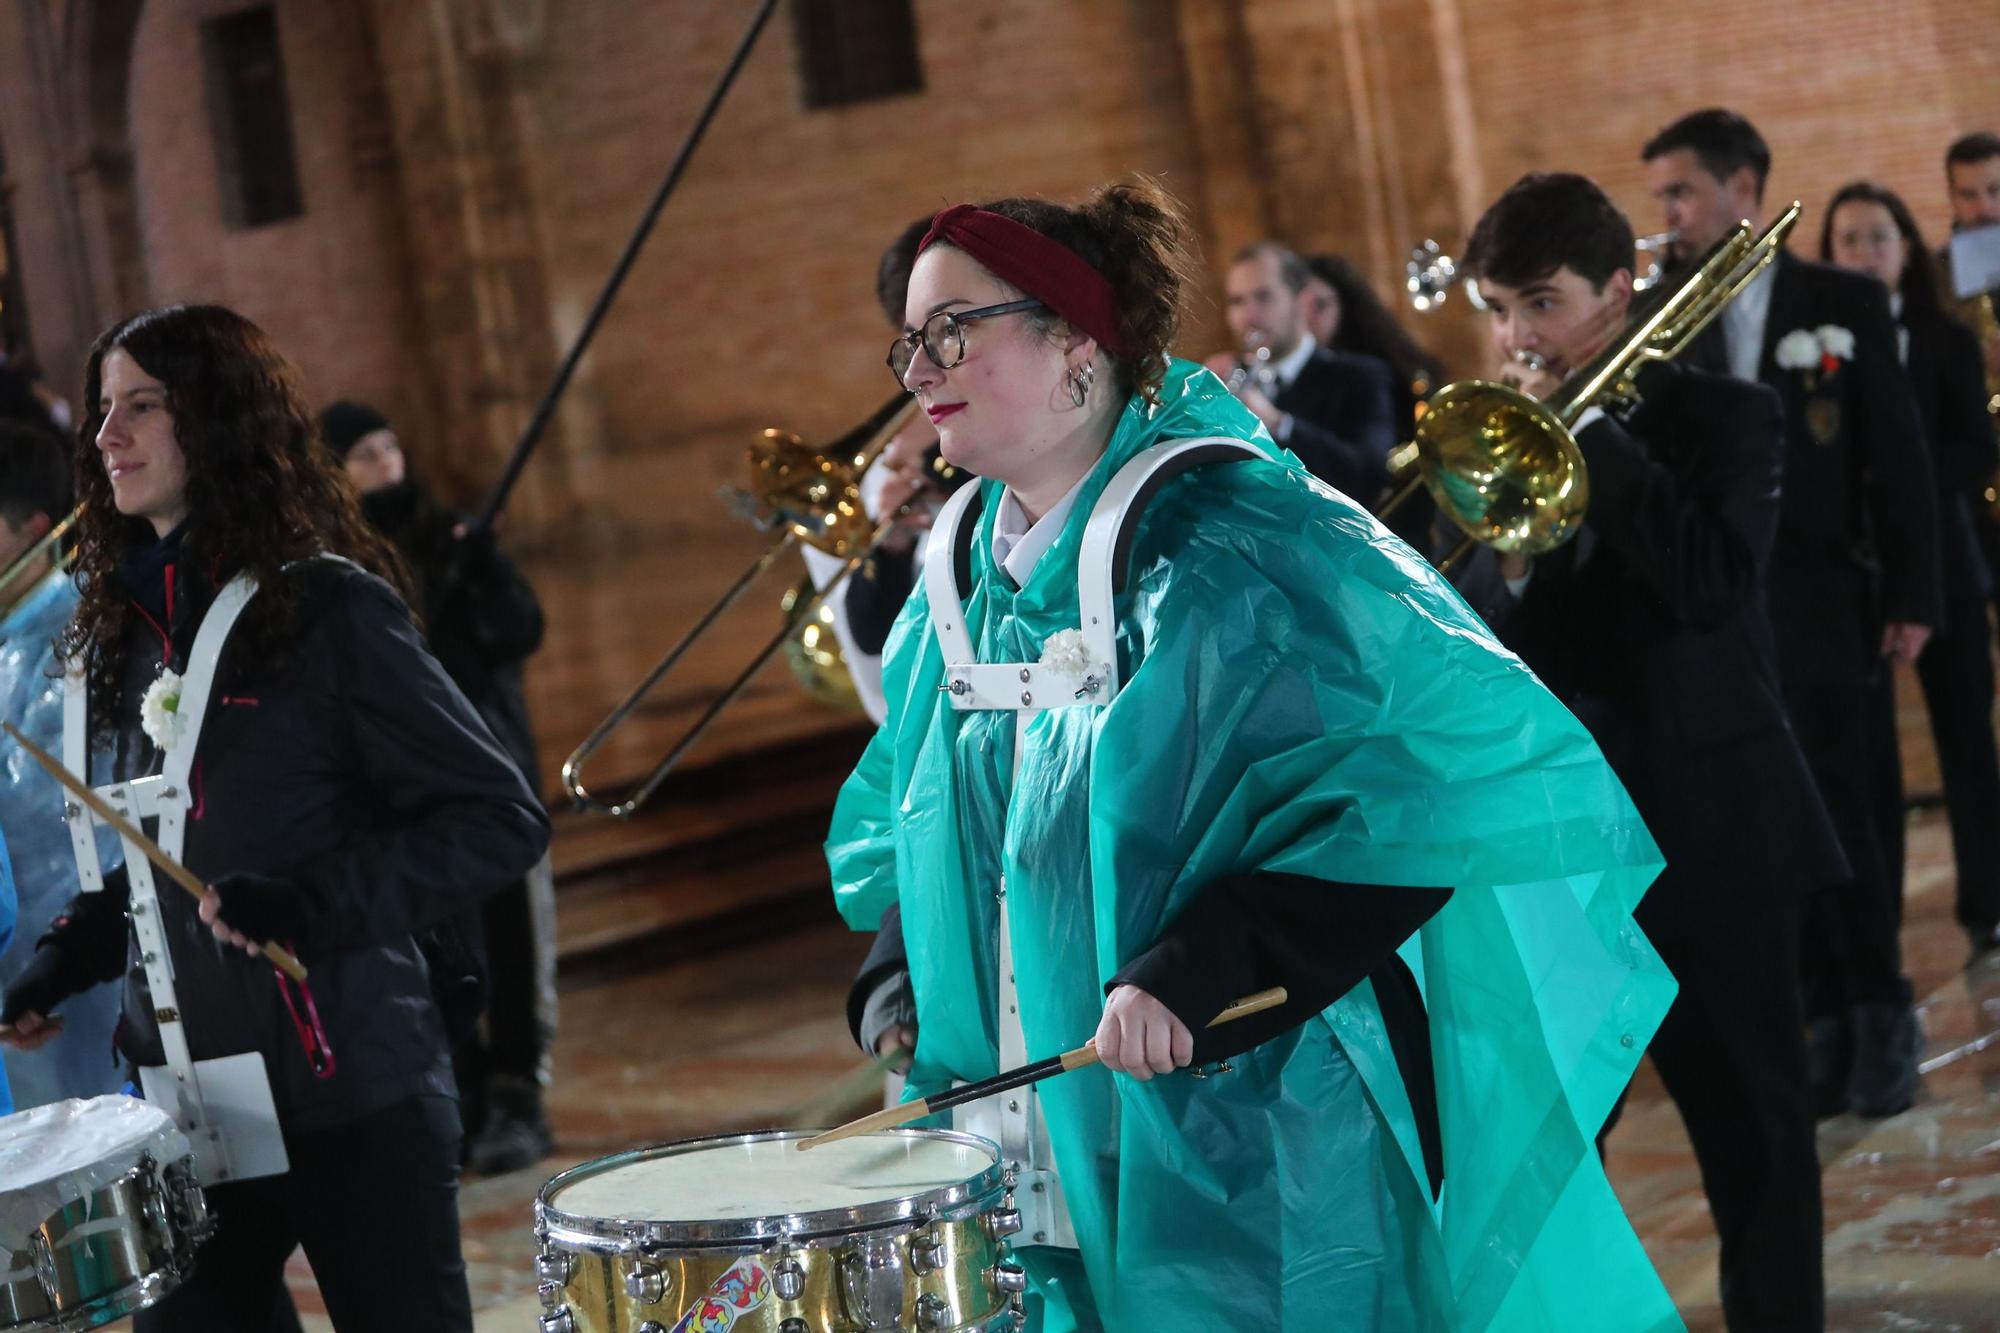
column 815, row 496
column 48, row 545
column 1505, row 468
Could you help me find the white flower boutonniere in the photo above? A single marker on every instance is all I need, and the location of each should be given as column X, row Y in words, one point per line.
column 1066, row 652
column 160, row 711
column 1836, row 342
column 1797, row 350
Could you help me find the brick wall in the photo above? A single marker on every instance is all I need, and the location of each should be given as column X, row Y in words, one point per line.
column 326, row 285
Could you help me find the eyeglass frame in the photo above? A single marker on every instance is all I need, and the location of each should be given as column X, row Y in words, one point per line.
column 917, row 340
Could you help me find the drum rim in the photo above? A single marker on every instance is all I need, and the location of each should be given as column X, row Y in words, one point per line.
column 624, row 1234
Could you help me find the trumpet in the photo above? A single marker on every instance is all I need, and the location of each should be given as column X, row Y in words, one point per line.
column 1255, row 370
column 814, row 496
column 1505, row 468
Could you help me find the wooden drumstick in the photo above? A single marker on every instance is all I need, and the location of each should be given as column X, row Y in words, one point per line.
column 125, row 828
column 50, row 1023
column 1080, row 1058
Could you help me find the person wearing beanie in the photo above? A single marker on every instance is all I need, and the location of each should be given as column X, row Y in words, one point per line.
column 483, row 621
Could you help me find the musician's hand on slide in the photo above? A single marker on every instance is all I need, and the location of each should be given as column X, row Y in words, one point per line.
column 1902, row 643
column 1140, row 1036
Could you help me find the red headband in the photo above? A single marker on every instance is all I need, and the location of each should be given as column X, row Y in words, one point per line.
column 1045, row 269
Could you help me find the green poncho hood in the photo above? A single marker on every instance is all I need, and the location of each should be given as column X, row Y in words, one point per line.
column 1302, row 694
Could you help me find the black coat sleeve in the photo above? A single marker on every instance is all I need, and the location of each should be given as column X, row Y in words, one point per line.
column 875, row 596
column 1246, row 933
column 886, row 959
column 84, row 946
column 483, row 609
column 1697, row 537
column 1344, row 438
column 1964, row 449
column 447, row 818
column 1900, row 496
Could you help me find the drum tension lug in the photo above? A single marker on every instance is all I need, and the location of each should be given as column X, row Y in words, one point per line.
column 788, row 1279
column 932, row 1313
column 554, row 1266
column 647, row 1283
column 927, row 1252
column 562, row 1321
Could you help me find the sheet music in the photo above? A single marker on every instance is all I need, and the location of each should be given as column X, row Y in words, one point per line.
column 1975, row 261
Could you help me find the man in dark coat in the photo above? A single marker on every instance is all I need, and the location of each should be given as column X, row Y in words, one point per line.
column 1854, row 583
column 1335, row 410
column 1651, row 626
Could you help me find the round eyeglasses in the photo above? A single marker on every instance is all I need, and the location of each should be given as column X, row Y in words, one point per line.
column 943, row 336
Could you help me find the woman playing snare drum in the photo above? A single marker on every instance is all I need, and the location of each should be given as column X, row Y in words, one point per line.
column 1310, row 766
column 344, row 799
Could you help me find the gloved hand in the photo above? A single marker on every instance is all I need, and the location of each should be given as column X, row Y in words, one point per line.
column 46, row 982
column 249, row 910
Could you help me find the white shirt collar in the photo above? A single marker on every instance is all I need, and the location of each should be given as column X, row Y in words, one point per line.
column 1019, row 546
column 1295, row 360
column 1743, row 323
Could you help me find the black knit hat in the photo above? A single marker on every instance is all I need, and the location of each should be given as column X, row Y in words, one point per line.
column 343, row 424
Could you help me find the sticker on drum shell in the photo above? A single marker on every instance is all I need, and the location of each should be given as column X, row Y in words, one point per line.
column 745, row 1286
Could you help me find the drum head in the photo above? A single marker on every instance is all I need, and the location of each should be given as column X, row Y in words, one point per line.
column 755, row 1187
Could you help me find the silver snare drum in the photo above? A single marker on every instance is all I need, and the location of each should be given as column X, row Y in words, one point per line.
column 100, row 1216
column 904, row 1229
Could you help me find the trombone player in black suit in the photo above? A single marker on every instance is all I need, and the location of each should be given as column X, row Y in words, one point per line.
column 1650, row 625
column 1854, row 576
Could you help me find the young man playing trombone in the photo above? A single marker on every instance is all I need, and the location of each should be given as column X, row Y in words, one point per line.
column 1650, row 625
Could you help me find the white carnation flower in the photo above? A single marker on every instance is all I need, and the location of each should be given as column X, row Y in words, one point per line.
column 1066, row 652
column 160, row 711
column 1798, row 350
column 1835, row 341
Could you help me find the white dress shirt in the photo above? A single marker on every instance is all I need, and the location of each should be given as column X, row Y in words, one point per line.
column 1018, row 545
column 1284, row 372
column 1743, row 325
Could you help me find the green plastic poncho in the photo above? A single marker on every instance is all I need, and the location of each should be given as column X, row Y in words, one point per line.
column 1302, row 694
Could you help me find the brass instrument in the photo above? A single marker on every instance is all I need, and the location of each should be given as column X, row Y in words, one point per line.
column 1430, row 273
column 47, row 547
column 1255, row 370
column 1505, row 467
column 814, row 496
column 1979, row 315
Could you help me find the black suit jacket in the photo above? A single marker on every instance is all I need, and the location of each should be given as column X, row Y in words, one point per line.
column 1948, row 373
column 1862, row 506
column 1651, row 626
column 1343, row 421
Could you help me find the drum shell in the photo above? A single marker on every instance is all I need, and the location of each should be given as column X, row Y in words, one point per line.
column 121, row 1248
column 935, row 1267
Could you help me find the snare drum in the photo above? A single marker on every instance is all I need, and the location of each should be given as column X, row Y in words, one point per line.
column 904, row 1229
column 100, row 1213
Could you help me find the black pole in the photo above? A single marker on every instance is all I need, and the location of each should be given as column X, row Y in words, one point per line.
column 531, row 434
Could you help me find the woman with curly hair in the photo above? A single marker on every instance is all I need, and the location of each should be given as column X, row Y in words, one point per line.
column 1171, row 722
column 343, row 799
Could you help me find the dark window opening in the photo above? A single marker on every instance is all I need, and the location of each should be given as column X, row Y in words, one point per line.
column 252, row 118
column 856, row 50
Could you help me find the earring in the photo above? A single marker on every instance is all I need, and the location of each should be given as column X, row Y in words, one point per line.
column 1080, row 380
